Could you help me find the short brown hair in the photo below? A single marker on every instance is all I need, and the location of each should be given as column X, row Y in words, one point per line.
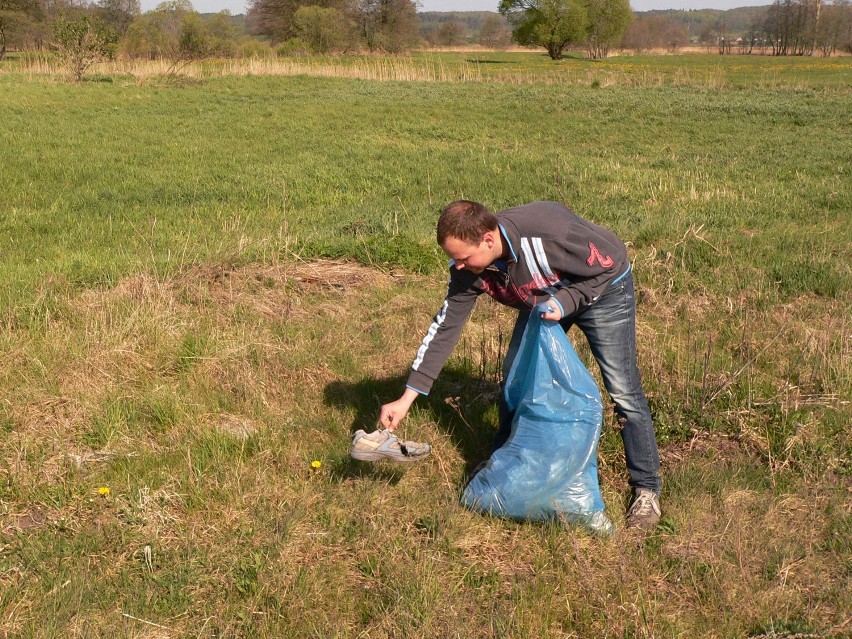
column 465, row 220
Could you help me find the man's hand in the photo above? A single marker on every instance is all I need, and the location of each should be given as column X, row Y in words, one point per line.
column 394, row 412
column 549, row 311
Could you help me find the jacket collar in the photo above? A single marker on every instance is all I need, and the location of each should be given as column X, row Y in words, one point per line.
column 505, row 236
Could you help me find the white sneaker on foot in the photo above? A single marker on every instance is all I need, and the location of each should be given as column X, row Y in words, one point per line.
column 645, row 511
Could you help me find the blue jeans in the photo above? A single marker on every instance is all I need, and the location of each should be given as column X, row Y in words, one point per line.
column 610, row 327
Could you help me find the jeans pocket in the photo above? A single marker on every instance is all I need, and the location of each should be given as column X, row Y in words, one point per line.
column 618, row 288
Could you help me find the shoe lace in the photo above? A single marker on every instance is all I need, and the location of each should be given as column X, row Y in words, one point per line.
column 643, row 506
column 394, row 440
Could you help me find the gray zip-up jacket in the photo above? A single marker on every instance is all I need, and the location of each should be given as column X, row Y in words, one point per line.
column 553, row 255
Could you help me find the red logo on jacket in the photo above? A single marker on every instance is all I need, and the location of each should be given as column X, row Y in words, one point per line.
column 595, row 256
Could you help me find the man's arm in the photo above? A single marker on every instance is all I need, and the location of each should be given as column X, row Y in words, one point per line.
column 444, row 332
column 436, row 346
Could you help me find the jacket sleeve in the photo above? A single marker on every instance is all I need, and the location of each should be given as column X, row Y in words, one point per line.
column 444, row 332
column 579, row 295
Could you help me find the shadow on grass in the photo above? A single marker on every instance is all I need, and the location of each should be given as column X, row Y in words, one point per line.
column 346, row 468
column 460, row 404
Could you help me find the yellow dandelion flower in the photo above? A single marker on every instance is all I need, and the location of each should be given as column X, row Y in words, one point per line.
column 103, row 491
column 316, row 464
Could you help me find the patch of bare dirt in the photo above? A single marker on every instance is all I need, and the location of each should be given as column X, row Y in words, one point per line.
column 234, row 425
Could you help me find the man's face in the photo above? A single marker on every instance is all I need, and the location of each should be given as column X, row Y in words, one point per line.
column 472, row 257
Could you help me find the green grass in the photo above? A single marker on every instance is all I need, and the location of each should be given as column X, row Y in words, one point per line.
column 103, row 180
column 167, row 331
column 730, row 71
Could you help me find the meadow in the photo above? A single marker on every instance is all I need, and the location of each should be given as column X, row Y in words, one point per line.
column 210, row 280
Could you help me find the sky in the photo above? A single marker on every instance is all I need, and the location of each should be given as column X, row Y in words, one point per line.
column 239, row 6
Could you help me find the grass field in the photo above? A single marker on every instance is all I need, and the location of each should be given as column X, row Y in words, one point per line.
column 208, row 282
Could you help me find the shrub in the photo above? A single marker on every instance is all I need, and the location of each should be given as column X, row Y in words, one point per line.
column 254, row 49
column 82, row 42
column 293, row 46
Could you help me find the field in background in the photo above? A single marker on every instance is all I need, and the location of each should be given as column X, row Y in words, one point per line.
column 208, row 283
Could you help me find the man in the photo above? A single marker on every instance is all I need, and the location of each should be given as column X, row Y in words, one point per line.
column 542, row 252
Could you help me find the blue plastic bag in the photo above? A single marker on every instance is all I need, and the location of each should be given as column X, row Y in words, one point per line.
column 548, row 467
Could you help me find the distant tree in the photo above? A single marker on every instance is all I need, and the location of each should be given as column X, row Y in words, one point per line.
column 193, row 40
column 158, row 33
column 791, row 26
column 223, row 36
column 143, row 39
column 707, row 36
column 724, row 41
column 387, row 25
column 775, row 28
column 844, row 36
column 834, row 30
column 117, row 14
column 674, row 35
column 82, row 42
column 607, row 22
column 221, row 25
column 322, row 29
column 431, row 21
column 655, row 31
column 552, row 24
column 495, row 32
column 642, row 33
column 452, row 33
column 751, row 37
column 273, row 18
column 18, row 21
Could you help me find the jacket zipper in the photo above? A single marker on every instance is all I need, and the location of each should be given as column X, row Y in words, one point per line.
column 515, row 290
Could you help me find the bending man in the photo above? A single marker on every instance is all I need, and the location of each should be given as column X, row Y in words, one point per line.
column 530, row 254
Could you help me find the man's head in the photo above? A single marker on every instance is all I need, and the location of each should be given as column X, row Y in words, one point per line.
column 468, row 234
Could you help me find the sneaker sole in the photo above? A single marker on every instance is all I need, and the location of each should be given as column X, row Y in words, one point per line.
column 646, row 527
column 368, row 456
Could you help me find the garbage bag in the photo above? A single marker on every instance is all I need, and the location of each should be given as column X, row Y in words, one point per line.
column 547, row 469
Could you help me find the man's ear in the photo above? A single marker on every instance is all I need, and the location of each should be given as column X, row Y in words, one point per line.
column 489, row 238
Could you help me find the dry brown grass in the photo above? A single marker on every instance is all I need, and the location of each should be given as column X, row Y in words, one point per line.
column 283, row 361
column 384, row 68
column 379, row 68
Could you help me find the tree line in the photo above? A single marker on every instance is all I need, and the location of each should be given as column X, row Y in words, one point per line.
column 86, row 31
column 786, row 27
column 336, row 25
column 175, row 30
column 106, row 27
column 456, row 28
